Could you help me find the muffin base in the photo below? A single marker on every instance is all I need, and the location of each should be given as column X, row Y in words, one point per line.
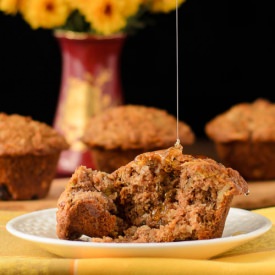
column 254, row 161
column 26, row 177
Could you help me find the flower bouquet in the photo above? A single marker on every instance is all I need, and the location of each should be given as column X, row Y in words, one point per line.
column 102, row 17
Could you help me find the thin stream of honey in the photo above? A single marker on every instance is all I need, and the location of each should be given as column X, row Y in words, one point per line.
column 177, row 72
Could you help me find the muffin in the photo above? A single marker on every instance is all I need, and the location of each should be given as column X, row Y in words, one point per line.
column 160, row 196
column 29, row 152
column 244, row 138
column 117, row 135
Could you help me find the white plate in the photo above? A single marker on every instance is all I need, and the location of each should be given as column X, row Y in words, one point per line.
column 39, row 227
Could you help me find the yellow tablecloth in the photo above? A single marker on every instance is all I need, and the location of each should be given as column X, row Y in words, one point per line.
column 21, row 257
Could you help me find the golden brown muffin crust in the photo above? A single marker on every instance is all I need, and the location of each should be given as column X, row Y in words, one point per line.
column 245, row 121
column 135, row 126
column 21, row 135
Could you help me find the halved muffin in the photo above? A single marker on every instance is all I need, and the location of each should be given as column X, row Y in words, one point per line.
column 160, row 196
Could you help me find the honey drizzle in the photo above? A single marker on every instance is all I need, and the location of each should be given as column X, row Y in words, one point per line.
column 177, row 73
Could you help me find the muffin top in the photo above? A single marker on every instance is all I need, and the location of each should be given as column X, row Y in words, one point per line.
column 135, row 126
column 20, row 135
column 244, row 122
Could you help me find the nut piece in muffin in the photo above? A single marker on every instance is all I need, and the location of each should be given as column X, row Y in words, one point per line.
column 116, row 136
column 29, row 151
column 244, row 137
column 160, row 196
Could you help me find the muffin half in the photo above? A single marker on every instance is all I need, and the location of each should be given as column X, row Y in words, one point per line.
column 160, row 196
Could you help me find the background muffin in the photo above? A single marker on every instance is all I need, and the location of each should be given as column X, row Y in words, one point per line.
column 120, row 133
column 29, row 152
column 244, row 137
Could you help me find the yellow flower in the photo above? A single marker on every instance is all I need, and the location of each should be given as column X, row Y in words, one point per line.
column 105, row 16
column 131, row 7
column 45, row 13
column 164, row 5
column 9, row 6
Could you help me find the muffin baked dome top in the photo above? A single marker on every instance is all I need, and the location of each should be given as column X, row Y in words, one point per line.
column 20, row 135
column 245, row 121
column 135, row 126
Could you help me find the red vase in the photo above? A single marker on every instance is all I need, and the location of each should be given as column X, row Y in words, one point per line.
column 90, row 83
